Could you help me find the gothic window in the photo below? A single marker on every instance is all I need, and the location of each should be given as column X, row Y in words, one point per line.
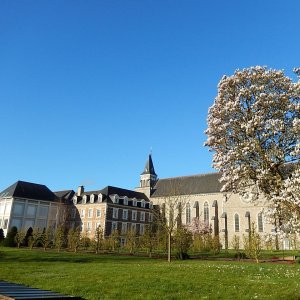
column 188, row 213
column 236, row 223
column 260, row 222
column 206, row 213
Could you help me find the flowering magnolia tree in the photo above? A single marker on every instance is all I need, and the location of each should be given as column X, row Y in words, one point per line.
column 254, row 130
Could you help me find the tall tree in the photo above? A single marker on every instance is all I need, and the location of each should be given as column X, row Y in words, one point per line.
column 254, row 130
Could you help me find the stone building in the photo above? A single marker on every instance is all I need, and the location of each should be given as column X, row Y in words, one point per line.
column 111, row 208
column 32, row 205
column 201, row 197
column 26, row 204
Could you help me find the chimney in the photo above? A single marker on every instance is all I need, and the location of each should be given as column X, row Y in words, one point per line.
column 80, row 190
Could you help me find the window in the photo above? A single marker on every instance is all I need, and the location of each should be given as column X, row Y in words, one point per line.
column 75, row 200
column 116, row 199
column 73, row 213
column 84, row 199
column 125, row 214
column 100, row 197
column 31, row 211
column 98, row 213
column 82, row 214
column 18, row 209
column 236, row 223
column 92, row 199
column 133, row 215
column 115, row 213
column 142, row 229
column 125, row 201
column 150, row 217
column 134, row 202
column 142, row 216
column 188, row 213
column 124, row 228
column 88, row 226
column 133, row 227
column 206, row 213
column 143, row 203
column 114, row 226
column 151, row 205
column 43, row 211
column 90, row 213
column 260, row 222
column 5, row 223
column 97, row 225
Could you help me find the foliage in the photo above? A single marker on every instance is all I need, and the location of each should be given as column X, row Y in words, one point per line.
column 150, row 238
column 10, row 237
column 131, row 240
column 253, row 129
column 253, row 244
column 98, row 239
column 183, row 240
column 1, row 235
column 74, row 237
column 46, row 238
column 59, row 238
column 19, row 238
column 33, row 239
column 28, row 234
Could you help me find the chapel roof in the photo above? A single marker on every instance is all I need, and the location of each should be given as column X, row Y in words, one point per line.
column 188, row 185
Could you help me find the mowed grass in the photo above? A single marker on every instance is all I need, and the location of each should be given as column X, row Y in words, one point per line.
column 127, row 277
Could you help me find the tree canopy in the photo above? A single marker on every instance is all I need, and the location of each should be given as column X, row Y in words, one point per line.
column 253, row 130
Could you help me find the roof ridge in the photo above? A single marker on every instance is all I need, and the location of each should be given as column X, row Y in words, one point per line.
column 194, row 175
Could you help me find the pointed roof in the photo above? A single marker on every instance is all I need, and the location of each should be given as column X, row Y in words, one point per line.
column 28, row 190
column 149, row 168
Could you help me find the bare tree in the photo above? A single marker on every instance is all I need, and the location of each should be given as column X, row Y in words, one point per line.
column 168, row 213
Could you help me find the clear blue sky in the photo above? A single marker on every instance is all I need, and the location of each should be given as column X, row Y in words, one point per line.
column 87, row 88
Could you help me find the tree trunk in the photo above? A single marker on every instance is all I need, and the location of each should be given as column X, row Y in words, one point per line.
column 169, row 247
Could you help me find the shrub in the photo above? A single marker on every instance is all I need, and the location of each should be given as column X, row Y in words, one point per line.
column 9, row 241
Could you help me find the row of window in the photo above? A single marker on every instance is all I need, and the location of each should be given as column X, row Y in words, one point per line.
column 260, row 224
column 127, row 226
column 205, row 212
column 134, row 215
column 90, row 213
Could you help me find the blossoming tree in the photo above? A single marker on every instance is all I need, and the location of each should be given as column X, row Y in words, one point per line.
column 254, row 130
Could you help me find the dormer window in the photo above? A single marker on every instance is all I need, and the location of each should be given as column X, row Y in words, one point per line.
column 92, row 199
column 134, row 202
column 150, row 205
column 116, row 199
column 100, row 197
column 84, row 198
column 125, row 201
column 143, row 203
column 74, row 200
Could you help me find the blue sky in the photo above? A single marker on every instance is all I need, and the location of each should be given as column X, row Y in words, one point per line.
column 87, row 88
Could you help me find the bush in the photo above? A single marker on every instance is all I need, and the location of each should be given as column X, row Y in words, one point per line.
column 9, row 241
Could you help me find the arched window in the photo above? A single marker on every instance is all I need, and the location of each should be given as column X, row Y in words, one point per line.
column 260, row 222
column 236, row 223
column 188, row 213
column 206, row 213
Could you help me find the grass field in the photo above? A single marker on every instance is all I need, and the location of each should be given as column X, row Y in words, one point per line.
column 126, row 277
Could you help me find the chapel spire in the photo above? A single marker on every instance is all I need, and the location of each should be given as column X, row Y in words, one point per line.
column 148, row 177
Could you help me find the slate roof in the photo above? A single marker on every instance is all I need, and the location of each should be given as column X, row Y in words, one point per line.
column 149, row 167
column 65, row 196
column 188, row 185
column 112, row 190
column 28, row 190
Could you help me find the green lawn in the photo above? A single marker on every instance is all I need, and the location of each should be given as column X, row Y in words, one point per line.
column 124, row 277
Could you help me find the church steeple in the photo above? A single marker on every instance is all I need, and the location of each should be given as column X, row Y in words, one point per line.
column 149, row 168
column 148, row 177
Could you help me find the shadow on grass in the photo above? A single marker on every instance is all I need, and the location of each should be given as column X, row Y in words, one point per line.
column 36, row 255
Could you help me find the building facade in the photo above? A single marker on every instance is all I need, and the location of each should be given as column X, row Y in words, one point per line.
column 27, row 205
